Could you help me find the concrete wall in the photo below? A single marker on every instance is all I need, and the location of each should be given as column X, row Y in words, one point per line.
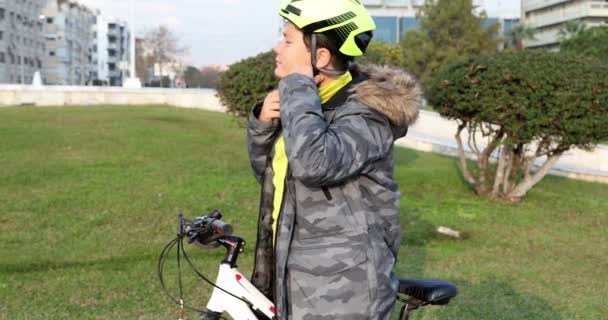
column 431, row 133
column 11, row 95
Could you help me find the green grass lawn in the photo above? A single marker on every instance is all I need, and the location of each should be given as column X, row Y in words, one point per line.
column 89, row 196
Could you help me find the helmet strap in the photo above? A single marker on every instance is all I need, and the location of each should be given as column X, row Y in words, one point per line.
column 313, row 57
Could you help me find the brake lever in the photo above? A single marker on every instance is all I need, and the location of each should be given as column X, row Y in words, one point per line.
column 180, row 225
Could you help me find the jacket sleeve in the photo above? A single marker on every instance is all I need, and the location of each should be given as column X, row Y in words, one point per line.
column 260, row 136
column 322, row 154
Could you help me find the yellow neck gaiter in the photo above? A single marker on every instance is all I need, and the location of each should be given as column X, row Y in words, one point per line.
column 329, row 90
column 279, row 162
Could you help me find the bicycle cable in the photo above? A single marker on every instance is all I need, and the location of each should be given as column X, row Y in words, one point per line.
column 161, row 262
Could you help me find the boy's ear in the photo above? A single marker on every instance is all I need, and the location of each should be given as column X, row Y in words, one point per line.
column 323, row 58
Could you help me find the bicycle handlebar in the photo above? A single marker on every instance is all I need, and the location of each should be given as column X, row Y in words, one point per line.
column 204, row 229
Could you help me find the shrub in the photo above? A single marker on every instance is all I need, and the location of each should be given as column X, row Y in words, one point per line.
column 247, row 82
column 591, row 42
column 527, row 105
column 383, row 53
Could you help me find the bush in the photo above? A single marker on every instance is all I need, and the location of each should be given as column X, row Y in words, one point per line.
column 247, row 82
column 383, row 53
column 527, row 104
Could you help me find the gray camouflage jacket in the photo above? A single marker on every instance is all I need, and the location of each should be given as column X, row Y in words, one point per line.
column 338, row 233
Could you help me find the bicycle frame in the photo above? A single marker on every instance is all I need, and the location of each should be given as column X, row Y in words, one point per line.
column 235, row 295
column 231, row 280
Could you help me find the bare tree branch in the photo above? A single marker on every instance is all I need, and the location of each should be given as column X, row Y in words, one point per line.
column 463, row 159
column 473, row 134
column 484, row 160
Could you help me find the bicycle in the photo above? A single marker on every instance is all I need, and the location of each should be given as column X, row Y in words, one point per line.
column 235, row 295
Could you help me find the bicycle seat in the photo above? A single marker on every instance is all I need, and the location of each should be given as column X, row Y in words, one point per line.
column 430, row 291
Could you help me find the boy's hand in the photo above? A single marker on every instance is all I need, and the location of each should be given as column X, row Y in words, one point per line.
column 271, row 108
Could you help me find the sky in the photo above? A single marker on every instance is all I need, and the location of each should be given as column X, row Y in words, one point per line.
column 223, row 31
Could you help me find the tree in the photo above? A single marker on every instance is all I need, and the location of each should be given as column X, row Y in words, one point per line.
column 192, row 77
column 449, row 30
column 571, row 28
column 209, row 77
column 518, row 34
column 163, row 47
column 590, row 42
column 143, row 61
column 529, row 106
column 205, row 78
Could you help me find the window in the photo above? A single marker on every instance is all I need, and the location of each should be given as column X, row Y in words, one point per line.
column 386, row 29
column 396, row 3
column 52, row 53
column 49, row 20
column 1, row 13
column 1, row 35
column 2, row 57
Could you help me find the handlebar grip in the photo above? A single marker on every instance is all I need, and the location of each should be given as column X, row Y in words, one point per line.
column 220, row 227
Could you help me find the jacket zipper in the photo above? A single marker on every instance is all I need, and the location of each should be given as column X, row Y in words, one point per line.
column 276, row 236
column 327, row 193
column 257, row 243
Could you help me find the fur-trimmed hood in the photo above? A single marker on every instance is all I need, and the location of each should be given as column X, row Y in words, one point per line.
column 390, row 91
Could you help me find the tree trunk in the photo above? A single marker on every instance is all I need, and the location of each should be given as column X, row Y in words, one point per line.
column 463, row 158
column 530, row 180
column 483, row 186
column 500, row 171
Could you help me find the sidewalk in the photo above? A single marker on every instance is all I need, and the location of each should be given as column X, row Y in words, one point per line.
column 432, row 133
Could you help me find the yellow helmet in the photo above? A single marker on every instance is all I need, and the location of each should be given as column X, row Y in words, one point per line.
column 347, row 20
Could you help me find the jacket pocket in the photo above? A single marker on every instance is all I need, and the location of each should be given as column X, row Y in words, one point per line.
column 325, row 212
column 330, row 280
column 327, row 260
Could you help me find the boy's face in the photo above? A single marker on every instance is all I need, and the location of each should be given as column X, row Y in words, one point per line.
column 290, row 51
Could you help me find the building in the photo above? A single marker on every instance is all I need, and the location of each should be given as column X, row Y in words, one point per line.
column 394, row 18
column 174, row 71
column 68, row 26
column 110, row 51
column 21, row 40
column 548, row 17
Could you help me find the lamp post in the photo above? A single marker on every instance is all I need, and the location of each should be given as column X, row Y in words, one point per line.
column 133, row 81
column 38, row 78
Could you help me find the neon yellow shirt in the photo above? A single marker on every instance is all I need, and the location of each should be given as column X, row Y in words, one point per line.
column 279, row 162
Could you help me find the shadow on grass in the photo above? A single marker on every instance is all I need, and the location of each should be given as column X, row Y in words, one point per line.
column 404, row 156
column 101, row 264
column 494, row 299
column 170, row 119
column 416, row 233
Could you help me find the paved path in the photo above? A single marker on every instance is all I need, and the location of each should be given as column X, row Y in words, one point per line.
column 435, row 134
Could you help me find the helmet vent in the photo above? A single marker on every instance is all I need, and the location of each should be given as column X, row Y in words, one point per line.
column 344, row 31
column 329, row 22
column 293, row 10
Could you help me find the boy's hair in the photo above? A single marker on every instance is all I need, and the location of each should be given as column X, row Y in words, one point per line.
column 339, row 61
